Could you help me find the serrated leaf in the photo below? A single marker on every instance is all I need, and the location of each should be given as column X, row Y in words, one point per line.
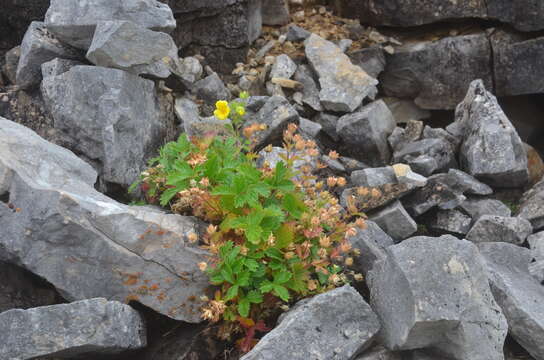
column 282, row 277
column 243, row 307
column 232, row 292
column 168, row 195
column 266, row 287
column 282, row 292
column 254, row 297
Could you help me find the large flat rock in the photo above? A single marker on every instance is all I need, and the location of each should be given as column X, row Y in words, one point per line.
column 94, row 327
column 56, row 225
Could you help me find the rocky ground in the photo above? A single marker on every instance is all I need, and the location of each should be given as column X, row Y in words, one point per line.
column 436, row 113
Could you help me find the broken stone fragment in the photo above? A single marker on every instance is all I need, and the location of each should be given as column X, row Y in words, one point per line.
column 343, row 85
column 337, row 324
column 131, row 47
column 434, row 293
column 74, row 22
column 94, row 327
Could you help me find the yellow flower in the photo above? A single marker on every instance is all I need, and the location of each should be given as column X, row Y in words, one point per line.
column 222, row 110
column 241, row 111
column 244, row 95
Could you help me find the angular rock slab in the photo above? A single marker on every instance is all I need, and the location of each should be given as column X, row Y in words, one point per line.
column 131, row 47
column 371, row 242
column 452, row 222
column 395, row 221
column 277, row 113
column 437, row 74
column 88, row 327
column 524, row 15
column 519, row 295
column 39, row 46
column 109, row 116
column 492, row 150
column 74, row 22
column 536, row 267
column 275, row 12
column 334, row 325
column 434, row 293
column 86, row 244
column 477, row 207
column 489, row 228
column 532, row 206
column 364, row 133
column 343, row 85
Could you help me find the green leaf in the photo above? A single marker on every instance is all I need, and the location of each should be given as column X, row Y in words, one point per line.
column 254, row 297
column 243, row 279
column 227, row 275
column 285, row 236
column 282, row 277
column 274, row 254
column 243, row 307
column 294, row 205
column 232, row 292
column 282, row 292
column 251, row 264
column 266, row 286
column 167, row 195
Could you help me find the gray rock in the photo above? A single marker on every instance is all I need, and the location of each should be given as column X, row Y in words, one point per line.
column 371, row 242
column 58, row 67
column 277, row 154
column 284, row 67
column 328, row 122
column 337, row 324
column 20, row 289
column 424, row 164
column 343, row 85
column 221, row 30
column 379, row 353
column 437, row 74
column 395, row 221
column 190, row 71
column 211, row 89
column 517, row 293
column 89, row 327
column 11, row 62
column 309, row 128
column 345, row 44
column 276, row 114
column 476, row 207
column 310, row 91
column 492, row 228
column 352, row 164
column 297, row 34
column 275, row 12
column 491, row 150
column 434, row 133
column 468, row 183
column 86, row 244
column 532, row 206
column 438, row 149
column 516, row 72
column 536, row 268
column 405, row 175
column 39, row 46
column 373, row 177
column 524, row 15
column 436, row 193
column 131, row 47
column 452, row 222
column 400, row 137
column 109, row 116
column 433, row 293
column 371, row 60
column 364, row 133
column 405, row 110
column 193, row 125
column 74, row 22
